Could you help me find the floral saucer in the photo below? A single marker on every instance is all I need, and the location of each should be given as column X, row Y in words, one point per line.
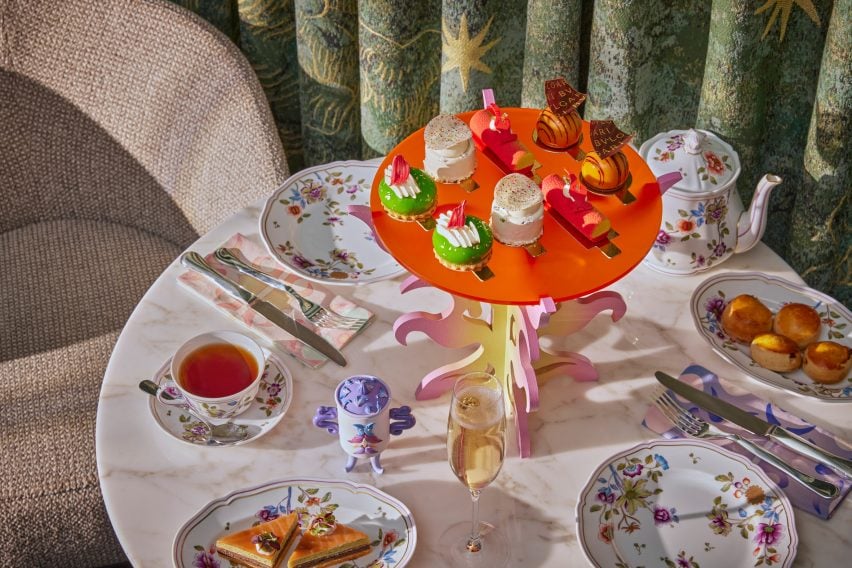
column 385, row 520
column 687, row 504
column 306, row 225
column 270, row 405
column 711, row 296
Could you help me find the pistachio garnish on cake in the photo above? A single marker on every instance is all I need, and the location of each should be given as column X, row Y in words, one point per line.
column 460, row 241
column 406, row 193
column 559, row 126
column 605, row 169
column 450, row 156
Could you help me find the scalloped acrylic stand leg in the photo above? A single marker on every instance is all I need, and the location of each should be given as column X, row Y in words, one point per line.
column 507, row 338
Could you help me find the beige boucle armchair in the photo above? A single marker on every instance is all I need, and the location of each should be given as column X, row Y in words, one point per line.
column 127, row 129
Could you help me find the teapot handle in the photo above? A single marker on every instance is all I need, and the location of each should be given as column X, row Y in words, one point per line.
column 326, row 417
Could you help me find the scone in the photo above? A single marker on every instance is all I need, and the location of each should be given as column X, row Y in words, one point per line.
column 776, row 352
column 827, row 362
column 799, row 322
column 745, row 317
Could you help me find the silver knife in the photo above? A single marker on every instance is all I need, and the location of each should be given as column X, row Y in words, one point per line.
column 756, row 425
column 194, row 261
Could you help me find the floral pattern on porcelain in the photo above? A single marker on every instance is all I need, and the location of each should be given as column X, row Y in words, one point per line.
column 306, row 225
column 709, row 301
column 639, row 509
column 273, row 397
column 761, row 523
column 698, row 223
column 627, row 489
column 311, row 504
column 341, row 263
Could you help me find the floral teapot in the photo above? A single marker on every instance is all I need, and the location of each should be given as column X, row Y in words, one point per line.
column 704, row 221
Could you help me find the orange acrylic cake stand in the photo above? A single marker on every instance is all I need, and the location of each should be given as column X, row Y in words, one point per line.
column 528, row 297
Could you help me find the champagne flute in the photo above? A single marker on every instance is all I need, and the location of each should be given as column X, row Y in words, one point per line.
column 476, row 445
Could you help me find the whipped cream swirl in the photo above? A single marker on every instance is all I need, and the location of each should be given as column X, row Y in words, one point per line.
column 465, row 237
column 408, row 188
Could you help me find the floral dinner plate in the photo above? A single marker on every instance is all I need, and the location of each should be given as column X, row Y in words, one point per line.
column 271, row 403
column 306, row 225
column 711, row 296
column 684, row 504
column 386, row 521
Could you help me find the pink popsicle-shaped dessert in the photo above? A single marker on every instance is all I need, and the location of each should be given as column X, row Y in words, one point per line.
column 569, row 199
column 492, row 133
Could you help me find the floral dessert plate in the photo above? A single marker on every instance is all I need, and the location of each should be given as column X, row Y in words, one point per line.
column 385, row 520
column 711, row 296
column 271, row 403
column 687, row 504
column 307, row 227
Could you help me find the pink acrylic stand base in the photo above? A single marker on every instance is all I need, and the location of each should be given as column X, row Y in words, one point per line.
column 507, row 340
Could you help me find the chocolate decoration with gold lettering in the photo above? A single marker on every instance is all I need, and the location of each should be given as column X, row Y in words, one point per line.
column 562, row 98
column 607, row 139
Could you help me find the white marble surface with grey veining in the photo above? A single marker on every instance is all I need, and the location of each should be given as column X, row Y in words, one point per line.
column 153, row 483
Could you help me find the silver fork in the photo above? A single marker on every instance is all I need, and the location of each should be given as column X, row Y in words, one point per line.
column 694, row 427
column 314, row 312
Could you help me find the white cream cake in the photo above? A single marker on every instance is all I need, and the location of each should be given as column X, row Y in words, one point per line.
column 517, row 212
column 450, row 155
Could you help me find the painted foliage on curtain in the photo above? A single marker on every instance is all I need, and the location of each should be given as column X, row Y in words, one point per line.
column 349, row 79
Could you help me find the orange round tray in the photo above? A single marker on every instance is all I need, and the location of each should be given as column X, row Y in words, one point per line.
column 567, row 270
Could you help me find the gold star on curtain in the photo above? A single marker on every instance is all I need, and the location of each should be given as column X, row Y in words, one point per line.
column 785, row 7
column 465, row 53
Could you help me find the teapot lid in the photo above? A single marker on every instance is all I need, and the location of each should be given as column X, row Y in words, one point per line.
column 706, row 162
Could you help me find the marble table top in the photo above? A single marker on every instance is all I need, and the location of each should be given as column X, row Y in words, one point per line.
column 153, row 483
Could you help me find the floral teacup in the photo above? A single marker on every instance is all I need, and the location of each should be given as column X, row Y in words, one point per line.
column 217, row 373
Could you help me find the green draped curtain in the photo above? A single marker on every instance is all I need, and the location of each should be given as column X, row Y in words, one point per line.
column 349, row 80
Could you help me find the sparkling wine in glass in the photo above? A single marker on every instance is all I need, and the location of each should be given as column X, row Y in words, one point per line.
column 476, row 446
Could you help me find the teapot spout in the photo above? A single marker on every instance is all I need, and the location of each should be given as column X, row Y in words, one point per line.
column 752, row 224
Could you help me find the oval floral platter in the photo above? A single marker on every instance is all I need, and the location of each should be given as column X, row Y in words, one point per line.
column 385, row 520
column 307, row 227
column 684, row 504
column 271, row 403
column 710, row 298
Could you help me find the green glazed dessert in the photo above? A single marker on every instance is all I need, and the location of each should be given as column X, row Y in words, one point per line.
column 462, row 246
column 406, row 193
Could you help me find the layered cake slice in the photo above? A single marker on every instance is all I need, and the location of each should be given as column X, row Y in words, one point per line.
column 261, row 545
column 517, row 212
column 569, row 199
column 315, row 551
column 450, row 155
column 492, row 132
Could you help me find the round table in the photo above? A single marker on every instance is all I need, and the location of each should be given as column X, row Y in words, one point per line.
column 152, row 483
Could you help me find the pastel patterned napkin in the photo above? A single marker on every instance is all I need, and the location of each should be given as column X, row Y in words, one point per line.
column 799, row 496
column 286, row 343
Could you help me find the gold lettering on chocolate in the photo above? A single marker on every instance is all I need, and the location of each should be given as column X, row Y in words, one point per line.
column 607, row 139
column 562, row 98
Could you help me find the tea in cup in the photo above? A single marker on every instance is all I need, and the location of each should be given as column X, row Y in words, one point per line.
column 217, row 373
